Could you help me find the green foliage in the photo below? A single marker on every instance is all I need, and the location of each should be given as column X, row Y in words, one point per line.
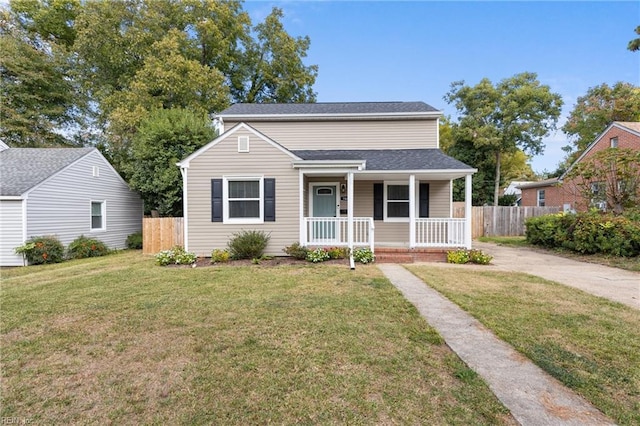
column 220, row 256
column 41, row 250
column 83, row 247
column 507, row 200
column 363, row 255
column 514, row 114
column 296, row 251
column 338, row 252
column 634, row 44
column 318, row 255
column 462, row 256
column 177, row 255
column 588, row 233
column 598, row 108
column 134, row 241
column 165, row 137
column 248, row 244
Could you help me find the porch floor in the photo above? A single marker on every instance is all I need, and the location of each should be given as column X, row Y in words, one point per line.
column 408, row 255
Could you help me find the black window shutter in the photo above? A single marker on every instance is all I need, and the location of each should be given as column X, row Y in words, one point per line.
column 423, row 208
column 216, row 200
column 269, row 200
column 378, row 201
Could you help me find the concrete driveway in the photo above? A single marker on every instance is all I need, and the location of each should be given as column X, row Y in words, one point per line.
column 611, row 283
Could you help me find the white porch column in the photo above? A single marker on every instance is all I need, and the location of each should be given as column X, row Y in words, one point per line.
column 412, row 211
column 303, row 230
column 350, row 193
column 467, row 211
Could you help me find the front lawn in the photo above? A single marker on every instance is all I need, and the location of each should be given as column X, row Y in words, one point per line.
column 588, row 343
column 118, row 340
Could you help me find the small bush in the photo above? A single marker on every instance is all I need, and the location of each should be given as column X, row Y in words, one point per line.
column 477, row 256
column 220, row 256
column 318, row 255
column 248, row 244
column 459, row 257
column 134, row 241
column 338, row 252
column 83, row 247
column 177, row 255
column 363, row 255
column 41, row 250
column 296, row 251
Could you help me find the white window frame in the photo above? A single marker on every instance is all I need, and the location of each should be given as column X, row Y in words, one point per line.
column 544, row 198
column 243, row 143
column 613, row 142
column 386, row 201
column 103, row 213
column 226, row 199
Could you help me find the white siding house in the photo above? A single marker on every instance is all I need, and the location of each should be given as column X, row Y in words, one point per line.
column 65, row 192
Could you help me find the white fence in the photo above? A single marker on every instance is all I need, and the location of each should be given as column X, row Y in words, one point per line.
column 333, row 231
column 436, row 232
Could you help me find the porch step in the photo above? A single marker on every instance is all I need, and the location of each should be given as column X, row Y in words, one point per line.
column 406, row 255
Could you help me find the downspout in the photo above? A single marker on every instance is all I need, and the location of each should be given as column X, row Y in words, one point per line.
column 185, row 216
column 350, row 218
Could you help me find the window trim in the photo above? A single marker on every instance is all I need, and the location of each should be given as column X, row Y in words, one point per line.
column 226, row 199
column 543, row 199
column 613, row 142
column 385, row 216
column 103, row 215
column 242, row 140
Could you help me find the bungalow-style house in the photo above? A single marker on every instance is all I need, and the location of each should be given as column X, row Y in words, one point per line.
column 562, row 191
column 66, row 192
column 325, row 174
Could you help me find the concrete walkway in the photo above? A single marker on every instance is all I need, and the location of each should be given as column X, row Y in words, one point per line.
column 611, row 283
column 532, row 396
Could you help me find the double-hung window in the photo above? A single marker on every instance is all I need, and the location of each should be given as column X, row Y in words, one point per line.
column 243, row 199
column 541, row 198
column 98, row 222
column 397, row 201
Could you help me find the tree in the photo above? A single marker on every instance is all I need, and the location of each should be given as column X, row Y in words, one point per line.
column 165, row 137
column 634, row 45
column 597, row 109
column 514, row 114
column 611, row 176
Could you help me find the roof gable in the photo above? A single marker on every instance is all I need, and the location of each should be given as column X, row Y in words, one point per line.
column 21, row 169
column 184, row 163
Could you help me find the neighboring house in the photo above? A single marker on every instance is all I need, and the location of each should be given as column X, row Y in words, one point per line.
column 562, row 191
column 66, row 192
column 514, row 189
column 325, row 174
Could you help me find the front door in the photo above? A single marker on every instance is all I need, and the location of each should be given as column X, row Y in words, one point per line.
column 324, row 204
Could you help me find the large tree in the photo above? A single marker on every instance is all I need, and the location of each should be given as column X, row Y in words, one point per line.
column 634, row 45
column 598, row 108
column 515, row 114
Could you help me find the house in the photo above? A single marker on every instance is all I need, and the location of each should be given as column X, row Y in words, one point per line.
column 325, row 174
column 563, row 191
column 66, row 192
column 514, row 189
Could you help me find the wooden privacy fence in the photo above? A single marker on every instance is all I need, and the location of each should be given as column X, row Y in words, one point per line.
column 161, row 233
column 500, row 221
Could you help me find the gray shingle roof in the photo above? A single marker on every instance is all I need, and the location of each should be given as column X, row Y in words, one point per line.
column 329, row 108
column 389, row 159
column 23, row 168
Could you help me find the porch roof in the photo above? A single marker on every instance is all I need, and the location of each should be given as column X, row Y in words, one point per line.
column 390, row 159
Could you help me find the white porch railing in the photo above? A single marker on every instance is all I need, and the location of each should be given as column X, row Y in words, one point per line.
column 440, row 232
column 334, row 231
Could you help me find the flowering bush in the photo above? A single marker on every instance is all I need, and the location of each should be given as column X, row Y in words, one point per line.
column 83, row 247
column 338, row 252
column 318, row 255
column 363, row 255
column 40, row 250
column 463, row 256
column 177, row 255
column 220, row 256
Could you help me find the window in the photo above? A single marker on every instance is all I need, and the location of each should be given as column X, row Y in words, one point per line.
column 243, row 200
column 96, row 171
column 243, row 143
column 541, row 196
column 391, row 201
column 98, row 216
column 599, row 195
column 397, row 202
column 613, row 142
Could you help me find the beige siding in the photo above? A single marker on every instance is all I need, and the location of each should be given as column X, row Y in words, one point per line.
column 350, row 134
column 263, row 159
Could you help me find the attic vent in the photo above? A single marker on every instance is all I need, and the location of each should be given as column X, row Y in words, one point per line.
column 243, row 143
column 96, row 171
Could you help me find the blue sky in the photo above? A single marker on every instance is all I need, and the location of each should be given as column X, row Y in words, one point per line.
column 414, row 50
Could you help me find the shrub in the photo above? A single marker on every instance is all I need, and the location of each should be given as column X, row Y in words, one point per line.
column 318, row 255
column 296, row 251
column 134, row 241
column 338, row 252
column 458, row 256
column 83, row 247
column 477, row 256
column 40, row 250
column 248, row 244
column 177, row 255
column 363, row 255
column 220, row 256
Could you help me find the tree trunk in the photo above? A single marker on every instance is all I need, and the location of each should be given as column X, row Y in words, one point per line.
column 496, row 188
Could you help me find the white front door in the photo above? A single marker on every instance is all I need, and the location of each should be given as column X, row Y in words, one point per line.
column 324, row 204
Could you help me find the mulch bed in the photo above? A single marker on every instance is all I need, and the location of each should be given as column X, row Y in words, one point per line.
column 205, row 262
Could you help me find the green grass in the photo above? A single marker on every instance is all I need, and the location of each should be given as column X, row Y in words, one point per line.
column 590, row 344
column 120, row 340
column 627, row 263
